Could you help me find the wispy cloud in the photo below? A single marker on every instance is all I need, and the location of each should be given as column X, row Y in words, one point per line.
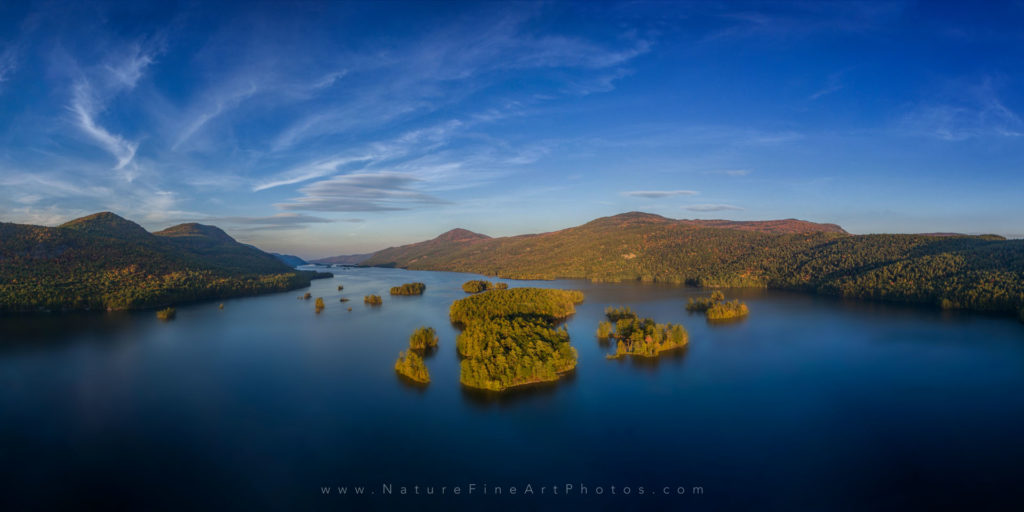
column 281, row 221
column 730, row 172
column 218, row 106
column 833, row 84
column 968, row 112
column 312, row 171
column 82, row 106
column 95, row 86
column 8, row 63
column 657, row 194
column 362, row 192
column 712, row 207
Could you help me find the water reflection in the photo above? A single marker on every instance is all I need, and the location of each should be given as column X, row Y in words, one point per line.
column 673, row 357
column 481, row 398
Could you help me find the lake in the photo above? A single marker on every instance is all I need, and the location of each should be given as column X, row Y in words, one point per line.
column 810, row 403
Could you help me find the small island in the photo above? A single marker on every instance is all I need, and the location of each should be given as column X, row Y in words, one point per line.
column 166, row 314
column 727, row 311
column 409, row 289
column 423, row 339
column 640, row 337
column 479, row 285
column 373, row 300
column 704, row 303
column 717, row 309
column 307, row 296
column 411, row 366
column 509, row 338
column 340, row 287
column 319, row 305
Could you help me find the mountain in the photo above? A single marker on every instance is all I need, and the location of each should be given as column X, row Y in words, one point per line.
column 290, row 260
column 344, row 259
column 965, row 272
column 421, row 250
column 104, row 261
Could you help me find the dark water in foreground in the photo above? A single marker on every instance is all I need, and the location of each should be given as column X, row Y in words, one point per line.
column 810, row 404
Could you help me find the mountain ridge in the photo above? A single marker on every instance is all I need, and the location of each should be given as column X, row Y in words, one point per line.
column 954, row 272
column 103, row 261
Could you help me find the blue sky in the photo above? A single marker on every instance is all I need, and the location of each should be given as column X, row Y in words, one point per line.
column 331, row 128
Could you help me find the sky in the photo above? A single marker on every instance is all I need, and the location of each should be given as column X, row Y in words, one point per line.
column 335, row 128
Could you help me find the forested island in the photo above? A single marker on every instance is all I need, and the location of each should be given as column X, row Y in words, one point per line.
column 984, row 273
column 409, row 289
column 423, row 339
column 479, row 285
column 640, row 337
column 105, row 262
column 373, row 300
column 717, row 308
column 509, row 338
column 411, row 366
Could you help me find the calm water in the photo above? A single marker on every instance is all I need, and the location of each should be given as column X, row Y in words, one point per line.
column 811, row 403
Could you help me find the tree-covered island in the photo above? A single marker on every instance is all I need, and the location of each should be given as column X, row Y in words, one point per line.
column 717, row 308
column 411, row 366
column 640, row 337
column 423, row 339
column 409, row 289
column 509, row 338
column 479, row 285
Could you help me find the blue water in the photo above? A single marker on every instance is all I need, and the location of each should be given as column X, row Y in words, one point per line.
column 809, row 404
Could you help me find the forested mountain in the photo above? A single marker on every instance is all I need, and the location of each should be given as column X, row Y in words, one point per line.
column 343, row 259
column 106, row 262
column 289, row 259
column 968, row 272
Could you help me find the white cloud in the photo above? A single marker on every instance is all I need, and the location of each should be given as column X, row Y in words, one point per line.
column 359, row 192
column 123, row 150
column 966, row 112
column 712, row 207
column 731, row 172
column 657, row 194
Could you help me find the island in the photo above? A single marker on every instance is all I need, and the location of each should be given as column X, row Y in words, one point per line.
column 727, row 311
column 704, row 303
column 166, row 314
column 410, row 365
column 640, row 337
column 423, row 339
column 409, row 289
column 479, row 285
column 716, row 308
column 509, row 338
column 319, row 305
column 373, row 300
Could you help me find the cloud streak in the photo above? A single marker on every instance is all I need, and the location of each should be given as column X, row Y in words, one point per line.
column 362, row 192
column 658, row 194
column 712, row 208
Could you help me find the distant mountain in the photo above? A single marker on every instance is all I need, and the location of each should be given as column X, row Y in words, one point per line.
column 965, row 272
column 344, row 259
column 104, row 261
column 290, row 260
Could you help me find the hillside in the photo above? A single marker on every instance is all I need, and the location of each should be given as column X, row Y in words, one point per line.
column 104, row 261
column 982, row 273
column 343, row 259
column 289, row 259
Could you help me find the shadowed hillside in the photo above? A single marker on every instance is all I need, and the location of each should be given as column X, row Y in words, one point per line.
column 956, row 272
column 106, row 262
